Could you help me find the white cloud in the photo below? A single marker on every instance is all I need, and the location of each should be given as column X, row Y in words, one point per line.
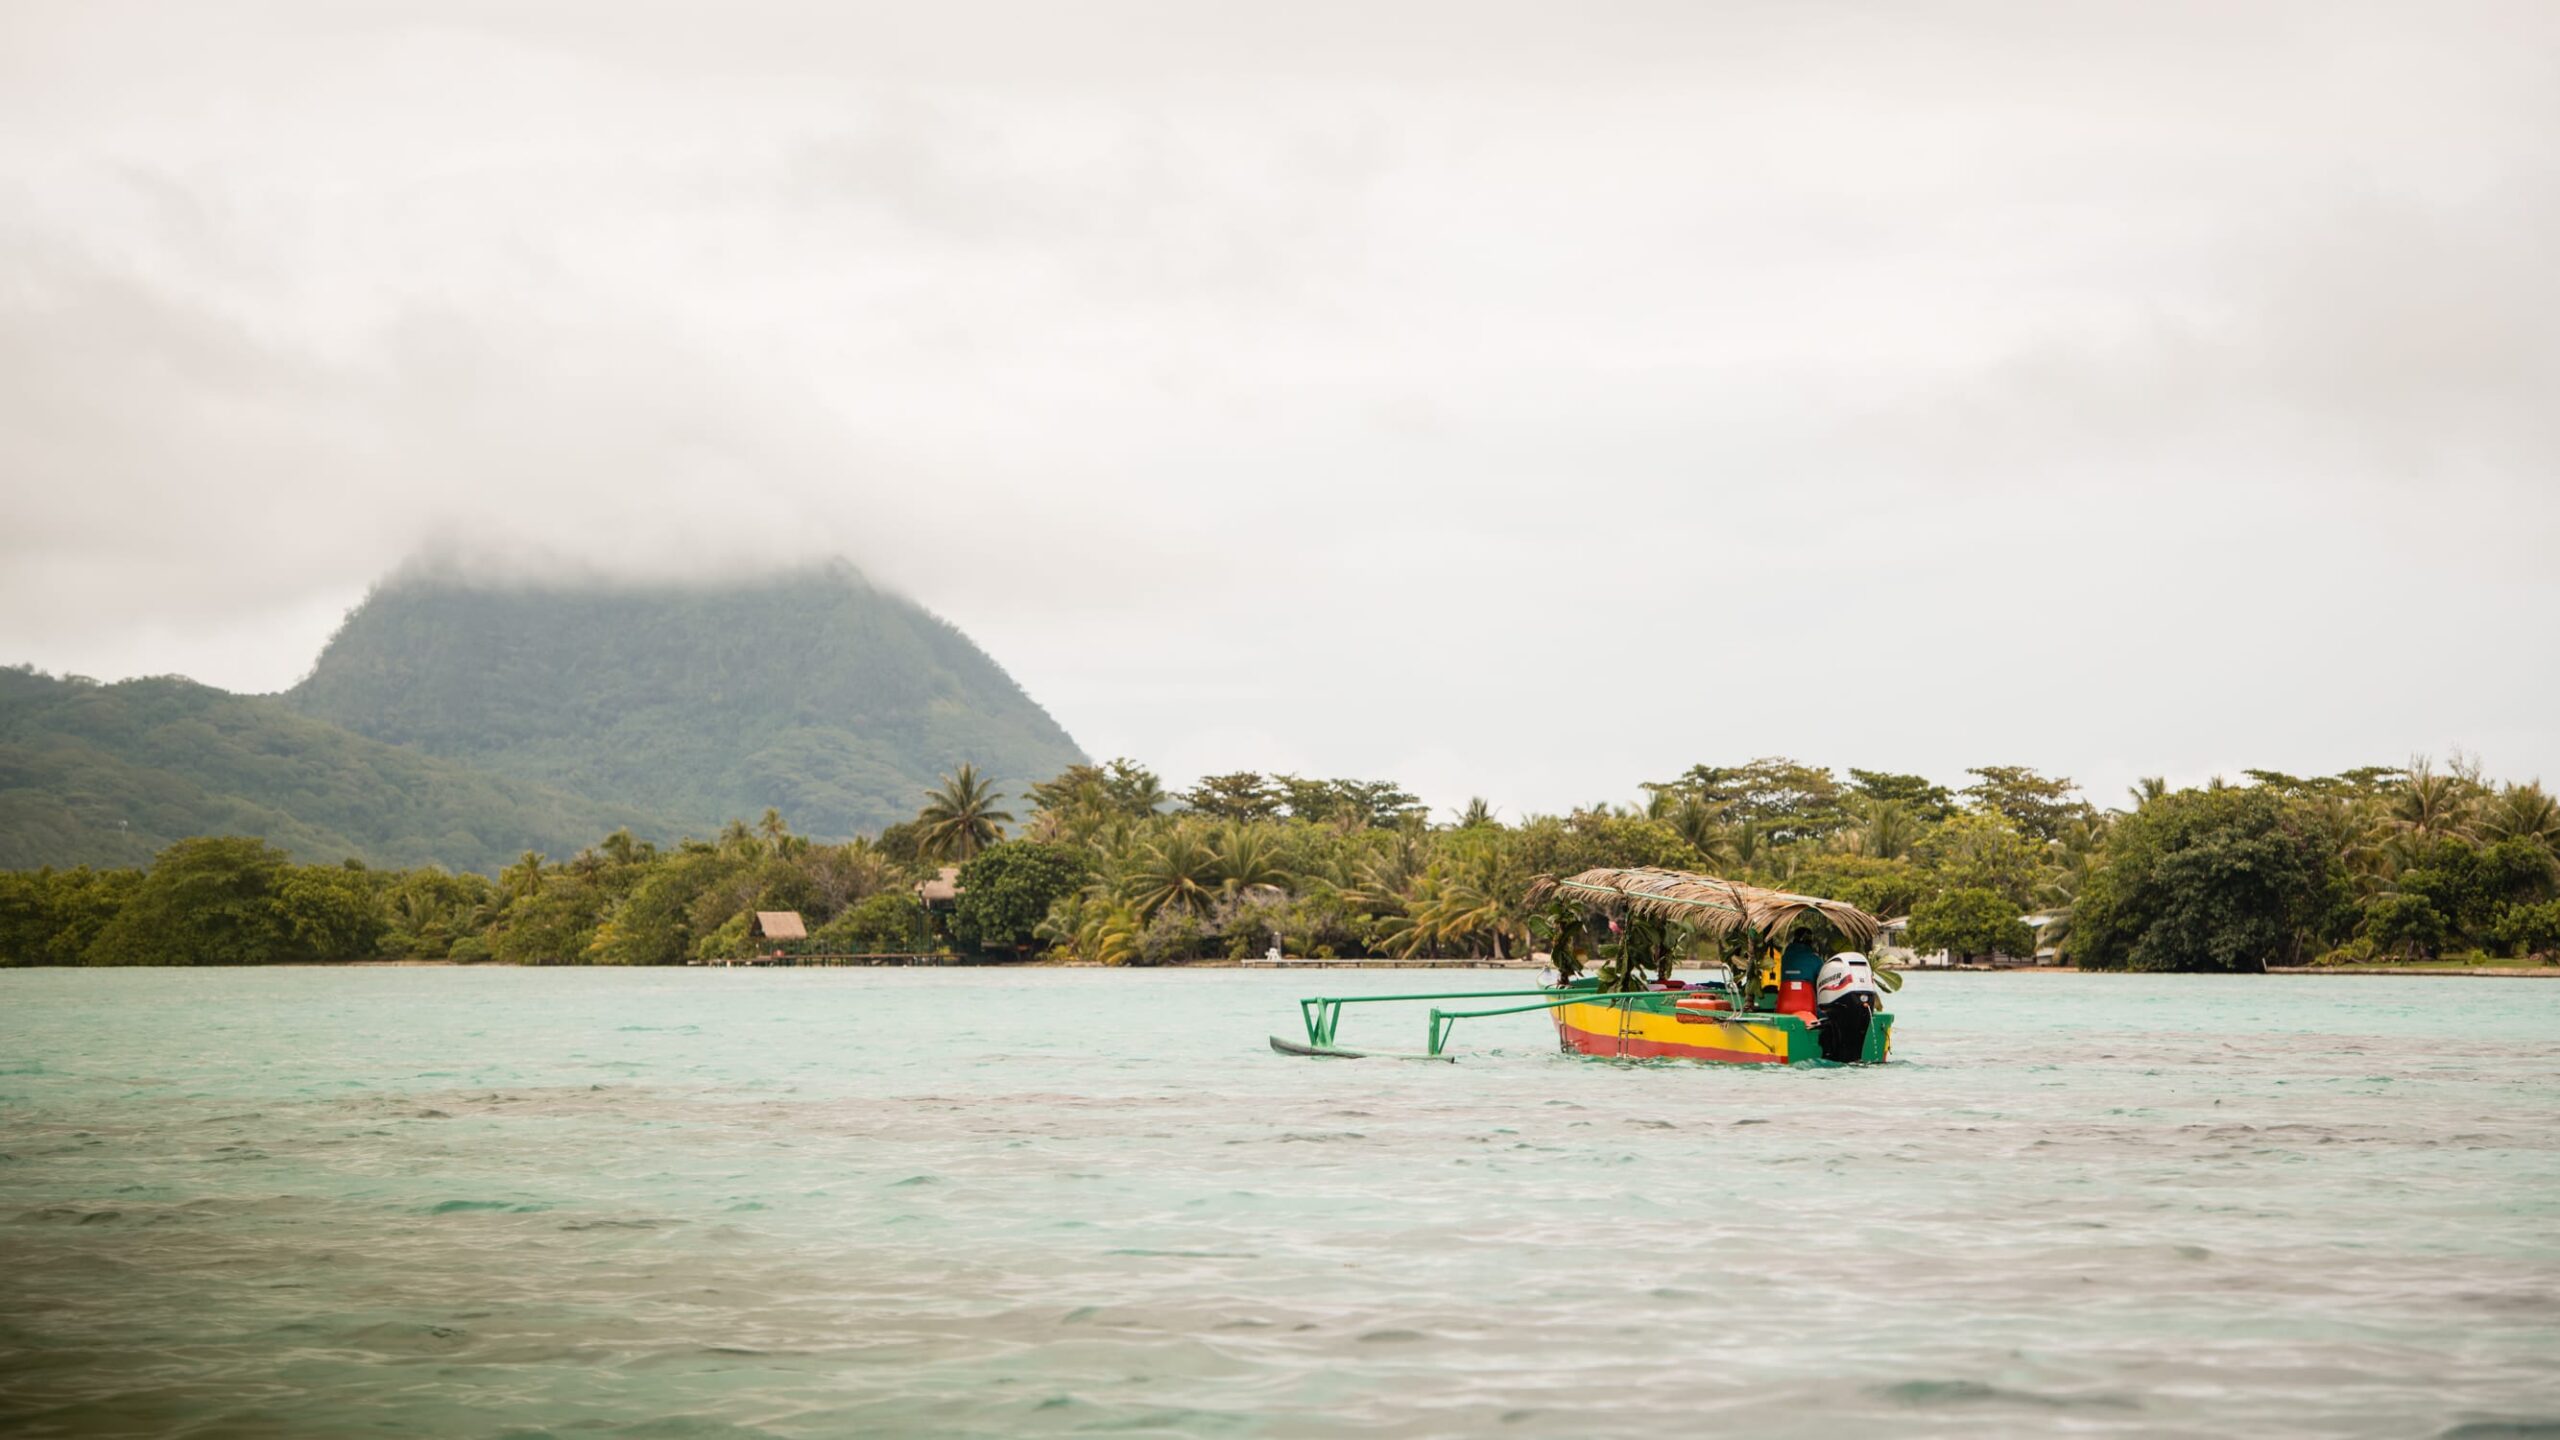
column 1341, row 388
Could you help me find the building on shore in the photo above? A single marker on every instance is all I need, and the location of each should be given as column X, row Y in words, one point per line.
column 774, row 927
column 1893, row 948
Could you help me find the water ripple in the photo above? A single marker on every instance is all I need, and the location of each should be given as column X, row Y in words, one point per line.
column 813, row 1204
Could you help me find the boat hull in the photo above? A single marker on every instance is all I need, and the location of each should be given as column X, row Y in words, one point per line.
column 1656, row 1028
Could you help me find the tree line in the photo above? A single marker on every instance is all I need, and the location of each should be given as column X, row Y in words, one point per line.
column 1103, row 864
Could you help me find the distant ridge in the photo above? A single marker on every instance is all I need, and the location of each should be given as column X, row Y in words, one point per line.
column 96, row 774
column 811, row 691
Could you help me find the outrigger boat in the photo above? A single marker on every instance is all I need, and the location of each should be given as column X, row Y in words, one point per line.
column 1786, row 999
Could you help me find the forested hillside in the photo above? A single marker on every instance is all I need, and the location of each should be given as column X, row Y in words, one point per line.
column 109, row 774
column 811, row 692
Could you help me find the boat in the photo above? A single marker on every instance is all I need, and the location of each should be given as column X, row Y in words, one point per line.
column 1796, row 987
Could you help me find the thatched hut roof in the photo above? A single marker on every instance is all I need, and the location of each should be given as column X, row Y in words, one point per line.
column 1715, row 906
column 781, row 925
column 942, row 889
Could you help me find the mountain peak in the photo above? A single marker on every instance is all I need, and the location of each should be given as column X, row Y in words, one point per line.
column 805, row 688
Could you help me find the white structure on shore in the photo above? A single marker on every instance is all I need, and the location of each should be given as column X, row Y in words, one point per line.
column 1893, row 947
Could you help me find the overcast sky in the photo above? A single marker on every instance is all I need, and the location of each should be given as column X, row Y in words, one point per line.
column 1518, row 400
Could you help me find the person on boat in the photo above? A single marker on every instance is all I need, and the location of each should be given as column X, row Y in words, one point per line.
column 1798, row 968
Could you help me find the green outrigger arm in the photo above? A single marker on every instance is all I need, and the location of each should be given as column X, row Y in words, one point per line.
column 1323, row 1015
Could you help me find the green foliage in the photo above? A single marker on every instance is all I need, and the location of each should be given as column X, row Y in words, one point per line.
column 1971, row 923
column 208, row 901
column 1246, row 797
column 1083, row 800
column 2038, row 806
column 1545, row 845
column 557, row 926
column 1243, row 795
column 1982, row 850
column 52, row 917
column 902, row 843
column 1787, row 800
column 729, row 940
column 2408, row 923
column 1174, row 935
column 428, row 911
column 1362, row 804
column 1882, row 888
column 811, row 691
column 1007, row 891
column 2206, row 880
column 332, row 912
column 1641, row 947
column 1557, row 925
column 1923, row 799
column 654, row 924
column 884, row 924
column 2416, row 862
column 1176, row 870
column 2530, row 929
column 111, row 774
column 960, row 817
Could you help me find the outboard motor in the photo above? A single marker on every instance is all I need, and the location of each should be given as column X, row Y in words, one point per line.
column 1848, row 997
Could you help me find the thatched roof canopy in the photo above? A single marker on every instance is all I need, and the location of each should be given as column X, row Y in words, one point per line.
column 1715, row 906
column 942, row 889
column 781, row 925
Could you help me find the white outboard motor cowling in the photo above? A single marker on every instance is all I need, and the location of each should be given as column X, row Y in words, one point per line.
column 1846, row 997
column 1844, row 975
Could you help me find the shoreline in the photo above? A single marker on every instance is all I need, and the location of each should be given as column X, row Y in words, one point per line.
column 949, row 962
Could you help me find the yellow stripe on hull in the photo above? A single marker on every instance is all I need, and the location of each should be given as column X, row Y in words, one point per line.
column 1649, row 1035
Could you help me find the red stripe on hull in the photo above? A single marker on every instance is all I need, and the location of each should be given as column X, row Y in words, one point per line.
column 1633, row 1047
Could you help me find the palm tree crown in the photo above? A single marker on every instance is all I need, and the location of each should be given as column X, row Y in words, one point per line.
column 960, row 819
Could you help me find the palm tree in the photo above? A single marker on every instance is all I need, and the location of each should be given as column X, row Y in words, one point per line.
column 1477, row 815
column 2352, row 829
column 1137, row 791
column 2523, row 812
column 1110, row 937
column 523, row 879
column 1092, row 926
column 623, row 849
column 1884, row 829
column 1247, row 858
column 960, row 819
column 1748, row 845
column 1174, row 870
column 1702, row 826
column 2430, row 804
column 1478, row 898
column 2146, row 790
column 1408, row 931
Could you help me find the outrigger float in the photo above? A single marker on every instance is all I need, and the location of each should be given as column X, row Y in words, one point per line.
column 1787, row 998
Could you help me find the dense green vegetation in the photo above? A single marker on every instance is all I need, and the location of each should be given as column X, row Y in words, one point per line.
column 1107, row 866
column 111, row 774
column 809, row 691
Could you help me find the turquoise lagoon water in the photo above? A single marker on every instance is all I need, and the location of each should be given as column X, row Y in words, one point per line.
column 733, row 1203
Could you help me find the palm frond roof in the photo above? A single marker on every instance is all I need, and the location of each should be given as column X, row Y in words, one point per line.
column 1716, row 906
